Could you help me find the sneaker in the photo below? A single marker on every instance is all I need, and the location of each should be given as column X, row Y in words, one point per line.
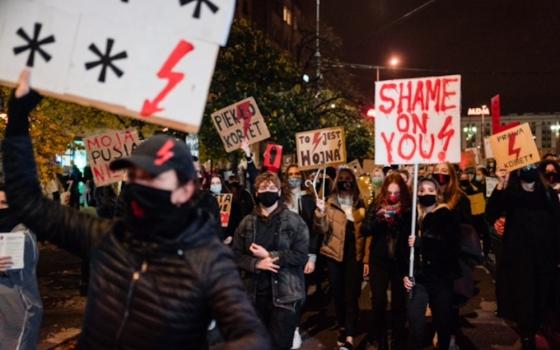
column 296, row 343
column 346, row 346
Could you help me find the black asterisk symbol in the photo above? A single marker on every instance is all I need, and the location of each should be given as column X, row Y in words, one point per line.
column 198, row 7
column 106, row 60
column 34, row 44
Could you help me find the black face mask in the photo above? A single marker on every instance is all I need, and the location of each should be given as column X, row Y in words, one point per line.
column 268, row 199
column 529, row 175
column 442, row 179
column 345, row 186
column 464, row 183
column 552, row 177
column 151, row 215
column 427, row 200
column 7, row 220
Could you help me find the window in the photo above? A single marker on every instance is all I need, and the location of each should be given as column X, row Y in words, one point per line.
column 287, row 15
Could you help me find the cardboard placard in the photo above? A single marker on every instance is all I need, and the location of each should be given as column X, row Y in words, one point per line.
column 356, row 167
column 491, row 183
column 96, row 53
column 102, row 149
column 238, row 121
column 273, row 157
column 514, row 148
column 488, row 148
column 224, row 201
column 369, row 166
column 478, row 203
column 418, row 120
column 321, row 148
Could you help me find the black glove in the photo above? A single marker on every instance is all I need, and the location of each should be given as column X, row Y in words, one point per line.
column 18, row 113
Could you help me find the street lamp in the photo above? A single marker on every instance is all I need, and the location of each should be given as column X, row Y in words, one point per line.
column 470, row 131
column 394, row 61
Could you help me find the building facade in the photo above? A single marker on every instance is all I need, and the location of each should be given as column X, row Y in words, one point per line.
column 545, row 129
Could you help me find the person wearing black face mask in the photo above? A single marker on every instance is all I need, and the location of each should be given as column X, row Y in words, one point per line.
column 164, row 255
column 346, row 250
column 436, row 266
column 271, row 247
column 551, row 172
column 528, row 273
column 21, row 308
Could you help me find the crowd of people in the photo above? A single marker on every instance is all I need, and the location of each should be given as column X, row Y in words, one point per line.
column 162, row 269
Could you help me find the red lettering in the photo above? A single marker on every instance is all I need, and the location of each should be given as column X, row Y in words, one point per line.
column 404, row 97
column 387, row 99
column 419, row 96
column 423, row 154
column 417, row 124
column 447, row 134
column 129, row 137
column 99, row 174
column 388, row 146
column 448, row 94
column 401, row 151
column 92, row 143
column 433, row 93
column 400, row 118
column 106, row 141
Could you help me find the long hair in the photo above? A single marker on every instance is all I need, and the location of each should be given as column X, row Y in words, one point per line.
column 452, row 193
column 286, row 190
column 356, row 193
column 395, row 178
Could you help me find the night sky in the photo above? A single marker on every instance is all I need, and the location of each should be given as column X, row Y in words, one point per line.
column 506, row 47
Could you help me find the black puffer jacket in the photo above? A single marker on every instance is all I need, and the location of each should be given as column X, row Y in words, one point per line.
column 140, row 297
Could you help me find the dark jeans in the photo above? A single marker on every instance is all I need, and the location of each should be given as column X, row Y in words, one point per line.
column 380, row 278
column 280, row 322
column 439, row 295
column 345, row 279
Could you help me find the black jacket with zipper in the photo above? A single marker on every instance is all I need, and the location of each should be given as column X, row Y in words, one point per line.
column 141, row 296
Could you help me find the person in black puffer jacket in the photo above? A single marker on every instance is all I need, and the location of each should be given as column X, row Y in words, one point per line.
column 159, row 275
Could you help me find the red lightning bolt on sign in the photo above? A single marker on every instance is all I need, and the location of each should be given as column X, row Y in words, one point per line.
column 166, row 72
column 316, row 140
column 511, row 149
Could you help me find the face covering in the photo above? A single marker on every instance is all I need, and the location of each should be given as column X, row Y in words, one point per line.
column 442, row 179
column 268, row 199
column 377, row 181
column 464, row 183
column 529, row 175
column 552, row 177
column 393, row 198
column 345, row 186
column 151, row 215
column 427, row 200
column 216, row 189
column 294, row 182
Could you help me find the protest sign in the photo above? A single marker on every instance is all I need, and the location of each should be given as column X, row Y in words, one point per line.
column 478, row 203
column 102, row 149
column 491, row 183
column 356, row 167
column 514, row 148
column 273, row 157
column 488, row 148
column 146, row 59
column 224, row 201
column 238, row 121
column 418, row 120
column 12, row 245
column 369, row 166
column 321, row 148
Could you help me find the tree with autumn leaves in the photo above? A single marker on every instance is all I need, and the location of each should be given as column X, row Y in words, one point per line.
column 250, row 65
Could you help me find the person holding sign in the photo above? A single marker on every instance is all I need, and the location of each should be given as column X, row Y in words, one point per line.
column 271, row 247
column 21, row 309
column 436, row 266
column 528, row 275
column 388, row 222
column 147, row 268
column 339, row 221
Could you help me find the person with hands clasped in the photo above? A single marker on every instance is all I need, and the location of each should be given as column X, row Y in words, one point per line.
column 271, row 247
column 436, row 266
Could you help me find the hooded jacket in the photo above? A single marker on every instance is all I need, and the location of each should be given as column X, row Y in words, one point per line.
column 141, row 295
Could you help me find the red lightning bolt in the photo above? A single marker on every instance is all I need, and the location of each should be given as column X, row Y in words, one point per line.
column 166, row 72
column 165, row 153
column 316, row 140
column 511, row 149
column 446, row 133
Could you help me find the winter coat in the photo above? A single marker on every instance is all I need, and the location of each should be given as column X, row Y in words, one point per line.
column 21, row 309
column 530, row 263
column 141, row 295
column 332, row 225
column 292, row 241
column 389, row 238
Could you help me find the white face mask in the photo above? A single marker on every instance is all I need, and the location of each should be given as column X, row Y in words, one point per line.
column 216, row 189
